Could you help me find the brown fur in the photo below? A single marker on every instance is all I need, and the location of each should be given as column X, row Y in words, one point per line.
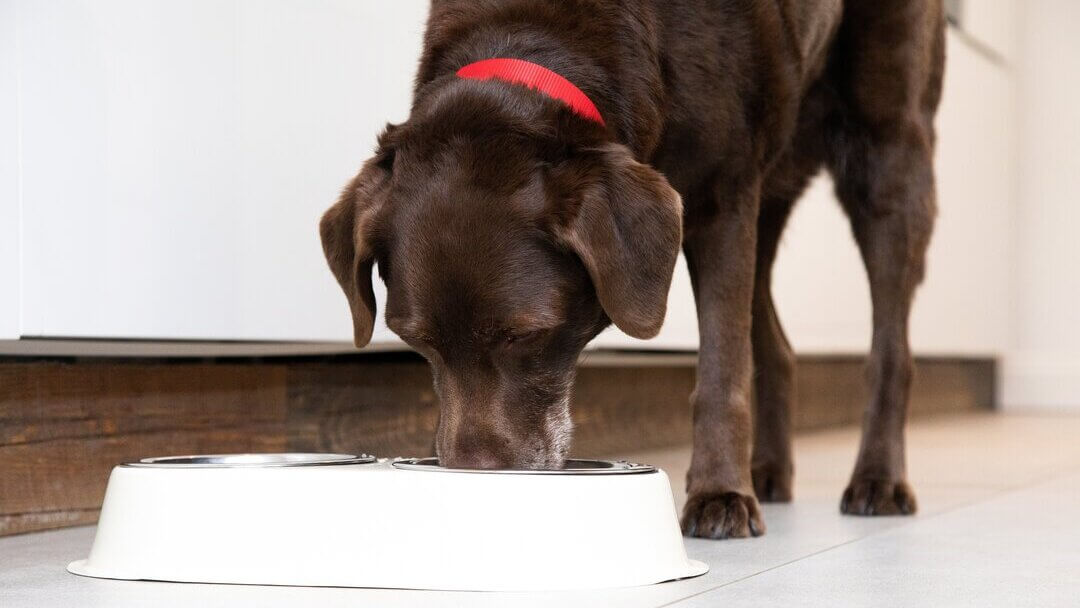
column 510, row 231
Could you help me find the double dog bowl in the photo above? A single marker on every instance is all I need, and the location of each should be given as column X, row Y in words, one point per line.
column 357, row 521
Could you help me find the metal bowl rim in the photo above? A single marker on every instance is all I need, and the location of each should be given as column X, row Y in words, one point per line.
column 584, row 467
column 253, row 460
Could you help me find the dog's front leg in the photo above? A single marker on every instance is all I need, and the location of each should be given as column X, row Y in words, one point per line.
column 720, row 252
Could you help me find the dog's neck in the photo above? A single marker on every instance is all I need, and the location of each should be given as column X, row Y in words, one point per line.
column 628, row 97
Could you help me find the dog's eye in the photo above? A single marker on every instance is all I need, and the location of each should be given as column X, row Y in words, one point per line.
column 518, row 337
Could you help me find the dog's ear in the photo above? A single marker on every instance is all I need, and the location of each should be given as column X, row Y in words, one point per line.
column 345, row 231
column 624, row 221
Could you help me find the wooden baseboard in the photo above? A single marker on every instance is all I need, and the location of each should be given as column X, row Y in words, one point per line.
column 65, row 423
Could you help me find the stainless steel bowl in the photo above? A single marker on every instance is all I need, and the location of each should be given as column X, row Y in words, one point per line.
column 572, row 467
column 210, row 461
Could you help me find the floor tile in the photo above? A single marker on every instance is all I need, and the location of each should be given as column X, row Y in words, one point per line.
column 1017, row 549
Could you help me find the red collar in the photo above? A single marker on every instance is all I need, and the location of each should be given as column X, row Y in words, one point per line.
column 536, row 77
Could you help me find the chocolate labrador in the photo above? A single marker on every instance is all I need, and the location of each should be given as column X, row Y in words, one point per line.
column 559, row 154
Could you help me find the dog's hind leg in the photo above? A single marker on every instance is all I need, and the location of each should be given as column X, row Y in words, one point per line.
column 774, row 367
column 774, row 361
column 883, row 166
column 892, row 229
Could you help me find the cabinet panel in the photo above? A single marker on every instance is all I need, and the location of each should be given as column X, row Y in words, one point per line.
column 175, row 158
column 10, row 299
column 177, row 155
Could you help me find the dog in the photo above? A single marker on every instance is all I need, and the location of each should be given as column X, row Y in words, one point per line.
column 557, row 157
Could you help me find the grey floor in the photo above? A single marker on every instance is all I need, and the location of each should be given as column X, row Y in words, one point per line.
column 998, row 525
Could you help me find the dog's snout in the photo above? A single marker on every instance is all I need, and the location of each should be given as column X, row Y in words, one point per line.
column 468, row 446
column 474, row 458
column 490, row 420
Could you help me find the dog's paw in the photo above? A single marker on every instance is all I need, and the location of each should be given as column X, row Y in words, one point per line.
column 878, row 497
column 722, row 515
column 772, row 482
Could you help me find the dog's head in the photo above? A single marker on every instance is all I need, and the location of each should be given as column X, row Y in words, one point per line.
column 504, row 248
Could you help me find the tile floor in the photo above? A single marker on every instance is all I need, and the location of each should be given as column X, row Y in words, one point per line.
column 999, row 501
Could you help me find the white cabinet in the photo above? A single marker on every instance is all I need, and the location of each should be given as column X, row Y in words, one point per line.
column 163, row 165
column 174, row 158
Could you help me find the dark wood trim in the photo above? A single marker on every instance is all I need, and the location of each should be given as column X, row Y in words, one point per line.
column 64, row 422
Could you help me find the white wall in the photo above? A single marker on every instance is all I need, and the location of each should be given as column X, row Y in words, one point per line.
column 10, row 296
column 1043, row 368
